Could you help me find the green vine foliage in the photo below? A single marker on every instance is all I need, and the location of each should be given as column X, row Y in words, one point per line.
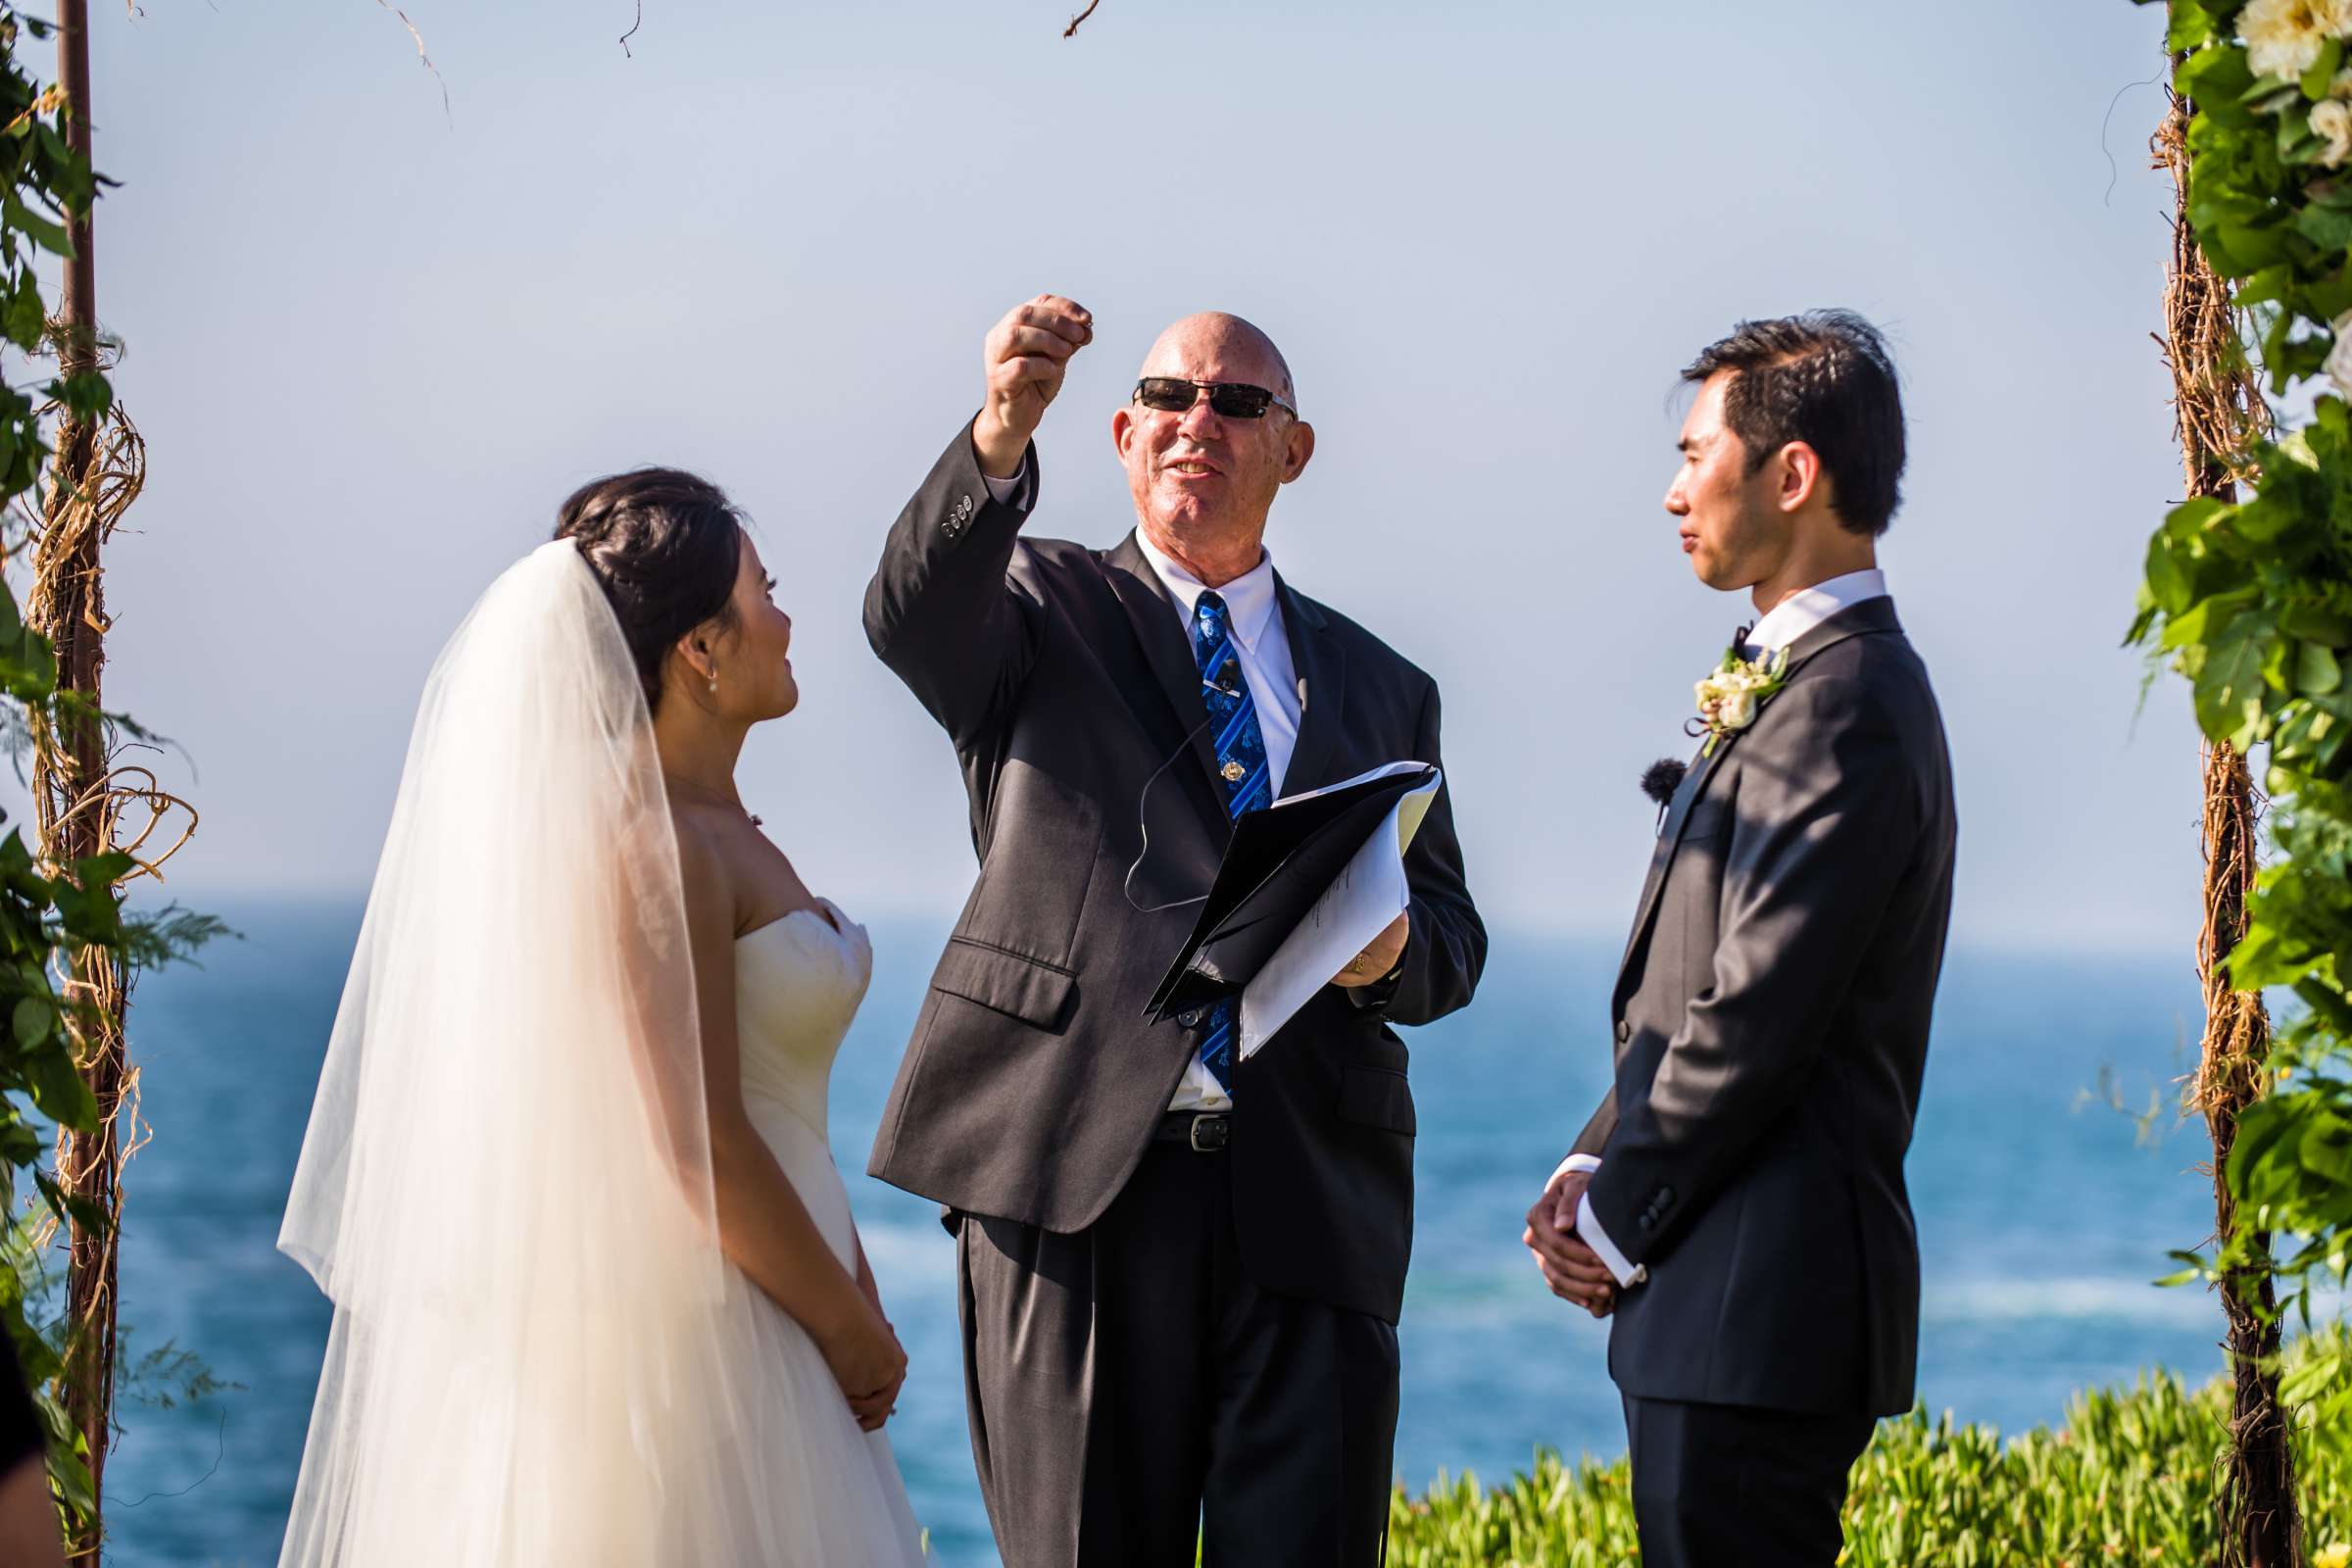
column 2251, row 600
column 48, row 915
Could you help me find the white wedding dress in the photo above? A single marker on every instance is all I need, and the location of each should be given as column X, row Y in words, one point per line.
column 540, row 1357
column 797, row 984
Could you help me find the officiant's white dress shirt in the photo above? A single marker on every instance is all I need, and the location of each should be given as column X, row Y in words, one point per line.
column 1784, row 623
column 1254, row 612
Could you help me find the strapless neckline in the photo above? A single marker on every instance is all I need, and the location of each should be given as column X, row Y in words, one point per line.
column 824, row 911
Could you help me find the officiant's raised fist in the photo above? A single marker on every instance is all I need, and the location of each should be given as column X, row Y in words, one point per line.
column 1026, row 354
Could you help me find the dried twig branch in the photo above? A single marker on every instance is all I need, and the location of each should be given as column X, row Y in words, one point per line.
column 633, row 27
column 2217, row 405
column 418, row 39
column 1072, row 29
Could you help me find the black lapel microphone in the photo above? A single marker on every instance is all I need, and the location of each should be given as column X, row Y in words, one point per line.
column 1661, row 779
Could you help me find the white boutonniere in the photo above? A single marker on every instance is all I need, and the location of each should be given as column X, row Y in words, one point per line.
column 1731, row 695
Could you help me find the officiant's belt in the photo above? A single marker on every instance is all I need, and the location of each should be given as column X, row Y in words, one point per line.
column 1206, row 1132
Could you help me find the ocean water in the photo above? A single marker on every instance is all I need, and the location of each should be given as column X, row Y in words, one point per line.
column 2044, row 1211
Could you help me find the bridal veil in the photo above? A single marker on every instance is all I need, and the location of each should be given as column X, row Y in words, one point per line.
column 506, row 1184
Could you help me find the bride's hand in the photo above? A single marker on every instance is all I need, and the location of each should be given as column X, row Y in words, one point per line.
column 868, row 1363
column 873, row 1411
column 879, row 1407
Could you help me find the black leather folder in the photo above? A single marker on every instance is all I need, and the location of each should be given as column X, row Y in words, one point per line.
column 1278, row 864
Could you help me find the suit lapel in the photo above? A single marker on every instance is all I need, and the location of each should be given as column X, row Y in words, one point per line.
column 1855, row 620
column 1670, row 838
column 1322, row 670
column 1159, row 628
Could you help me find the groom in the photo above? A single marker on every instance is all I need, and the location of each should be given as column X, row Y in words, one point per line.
column 1179, row 1271
column 1738, row 1200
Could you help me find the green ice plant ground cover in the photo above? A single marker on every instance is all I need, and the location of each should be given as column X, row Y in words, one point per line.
column 2128, row 1478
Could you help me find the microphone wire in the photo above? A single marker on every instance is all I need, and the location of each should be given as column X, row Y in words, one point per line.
column 1143, row 823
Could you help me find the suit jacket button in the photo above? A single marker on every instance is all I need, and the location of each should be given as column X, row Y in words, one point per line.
column 1189, row 1018
column 1645, row 1220
column 1625, row 1031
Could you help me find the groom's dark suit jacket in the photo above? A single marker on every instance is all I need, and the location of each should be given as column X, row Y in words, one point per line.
column 1033, row 1083
column 1771, row 1019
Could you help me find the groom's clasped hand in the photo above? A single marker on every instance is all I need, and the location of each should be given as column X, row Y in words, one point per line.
column 1573, row 1270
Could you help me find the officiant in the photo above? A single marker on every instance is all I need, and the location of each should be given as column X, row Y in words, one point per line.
column 1180, row 1269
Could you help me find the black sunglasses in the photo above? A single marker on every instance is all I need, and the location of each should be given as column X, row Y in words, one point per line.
column 1230, row 400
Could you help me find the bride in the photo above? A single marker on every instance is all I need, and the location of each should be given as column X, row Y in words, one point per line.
column 598, row 1299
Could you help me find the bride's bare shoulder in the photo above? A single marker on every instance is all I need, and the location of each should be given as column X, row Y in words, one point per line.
column 704, row 867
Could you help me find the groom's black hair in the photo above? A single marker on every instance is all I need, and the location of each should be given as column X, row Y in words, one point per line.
column 1823, row 377
column 665, row 546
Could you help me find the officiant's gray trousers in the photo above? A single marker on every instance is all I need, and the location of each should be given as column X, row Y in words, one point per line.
column 1130, row 1391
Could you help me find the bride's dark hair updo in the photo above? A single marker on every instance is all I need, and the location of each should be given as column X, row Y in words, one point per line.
column 666, row 546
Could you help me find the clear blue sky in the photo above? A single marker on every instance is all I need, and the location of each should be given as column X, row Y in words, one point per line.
column 371, row 348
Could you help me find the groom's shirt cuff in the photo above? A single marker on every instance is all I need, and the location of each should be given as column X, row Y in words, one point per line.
column 1587, row 1227
column 1588, row 1231
column 1588, row 1163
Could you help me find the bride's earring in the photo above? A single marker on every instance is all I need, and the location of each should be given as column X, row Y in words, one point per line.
column 714, row 683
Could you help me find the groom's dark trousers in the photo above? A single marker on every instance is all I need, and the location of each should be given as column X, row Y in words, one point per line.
column 1771, row 1024
column 1164, row 1344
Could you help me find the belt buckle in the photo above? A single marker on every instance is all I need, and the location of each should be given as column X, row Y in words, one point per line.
column 1209, row 1133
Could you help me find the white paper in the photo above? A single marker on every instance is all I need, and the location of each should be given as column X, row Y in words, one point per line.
column 1357, row 906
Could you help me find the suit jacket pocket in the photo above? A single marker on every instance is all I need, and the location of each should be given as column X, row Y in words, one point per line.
column 1011, row 983
column 1377, row 1097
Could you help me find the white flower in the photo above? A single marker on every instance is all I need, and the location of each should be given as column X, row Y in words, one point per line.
column 1733, row 693
column 2285, row 37
column 2340, row 357
column 1728, row 697
column 2331, row 118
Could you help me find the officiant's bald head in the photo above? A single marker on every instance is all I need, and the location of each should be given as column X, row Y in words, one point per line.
column 1222, row 332
column 1204, row 459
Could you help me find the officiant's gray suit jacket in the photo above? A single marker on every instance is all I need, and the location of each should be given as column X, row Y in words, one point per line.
column 1034, row 1082
column 1771, row 1024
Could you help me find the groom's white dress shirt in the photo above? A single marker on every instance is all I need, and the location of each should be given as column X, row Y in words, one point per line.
column 1254, row 612
column 1784, row 623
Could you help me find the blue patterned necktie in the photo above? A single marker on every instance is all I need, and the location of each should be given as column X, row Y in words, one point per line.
column 1242, row 767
